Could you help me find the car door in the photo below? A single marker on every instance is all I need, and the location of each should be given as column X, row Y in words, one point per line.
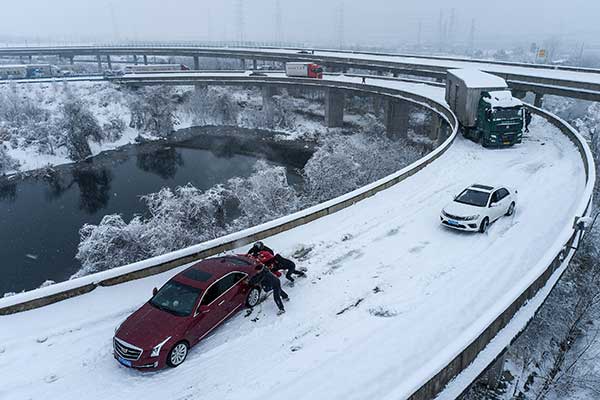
column 499, row 198
column 495, row 207
column 208, row 313
column 234, row 294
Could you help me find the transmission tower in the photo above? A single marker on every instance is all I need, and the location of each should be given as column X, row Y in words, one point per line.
column 340, row 22
column 239, row 19
column 472, row 37
column 278, row 22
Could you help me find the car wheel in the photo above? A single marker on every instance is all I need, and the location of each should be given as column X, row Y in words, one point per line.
column 511, row 209
column 484, row 225
column 253, row 297
column 177, row 354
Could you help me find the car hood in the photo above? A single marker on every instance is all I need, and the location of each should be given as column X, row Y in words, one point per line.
column 149, row 326
column 463, row 210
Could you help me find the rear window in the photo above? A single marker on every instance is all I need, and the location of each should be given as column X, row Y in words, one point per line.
column 197, row 275
column 236, row 261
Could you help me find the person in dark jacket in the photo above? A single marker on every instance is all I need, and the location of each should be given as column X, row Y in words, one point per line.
column 257, row 248
column 527, row 119
column 281, row 263
column 266, row 279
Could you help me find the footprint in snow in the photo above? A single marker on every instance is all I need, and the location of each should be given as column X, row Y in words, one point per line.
column 418, row 248
column 41, row 339
column 294, row 349
column 51, row 378
column 337, row 263
column 382, row 312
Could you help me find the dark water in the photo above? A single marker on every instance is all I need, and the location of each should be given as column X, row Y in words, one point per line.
column 40, row 217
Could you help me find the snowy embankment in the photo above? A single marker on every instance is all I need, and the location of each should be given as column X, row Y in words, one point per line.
column 390, row 294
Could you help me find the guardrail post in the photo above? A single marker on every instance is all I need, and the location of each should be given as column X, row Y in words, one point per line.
column 334, row 108
column 396, row 118
column 539, row 100
column 196, row 63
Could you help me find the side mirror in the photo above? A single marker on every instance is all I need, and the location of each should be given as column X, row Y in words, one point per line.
column 154, row 291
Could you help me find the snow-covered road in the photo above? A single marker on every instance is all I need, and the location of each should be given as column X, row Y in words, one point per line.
column 390, row 297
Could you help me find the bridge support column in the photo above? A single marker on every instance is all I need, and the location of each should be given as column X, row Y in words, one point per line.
column 242, row 63
column 99, row 61
column 435, row 126
column 109, row 62
column 334, row 108
column 145, row 59
column 539, row 100
column 268, row 92
column 135, row 60
column 72, row 60
column 30, row 59
column 492, row 376
column 395, row 74
column 196, row 63
column 255, row 64
column 396, row 118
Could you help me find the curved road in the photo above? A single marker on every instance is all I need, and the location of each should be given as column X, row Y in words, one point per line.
column 414, row 311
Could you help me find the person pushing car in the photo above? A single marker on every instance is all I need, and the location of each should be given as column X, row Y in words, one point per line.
column 266, row 279
column 257, row 248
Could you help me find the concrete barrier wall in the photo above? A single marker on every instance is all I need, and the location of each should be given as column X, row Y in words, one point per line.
column 558, row 253
column 61, row 291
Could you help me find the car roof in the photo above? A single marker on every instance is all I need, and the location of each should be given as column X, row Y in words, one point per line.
column 482, row 188
column 202, row 274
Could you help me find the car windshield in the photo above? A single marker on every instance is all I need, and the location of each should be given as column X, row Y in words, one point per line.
column 507, row 113
column 473, row 198
column 176, row 298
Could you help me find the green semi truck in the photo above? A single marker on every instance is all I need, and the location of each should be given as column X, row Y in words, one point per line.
column 485, row 107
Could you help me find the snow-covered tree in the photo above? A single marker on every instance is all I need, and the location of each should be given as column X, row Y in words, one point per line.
column 79, row 125
column 153, row 110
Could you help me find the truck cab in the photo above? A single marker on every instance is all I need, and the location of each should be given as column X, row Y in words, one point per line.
column 500, row 119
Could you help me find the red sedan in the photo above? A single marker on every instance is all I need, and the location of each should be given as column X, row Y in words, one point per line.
column 186, row 309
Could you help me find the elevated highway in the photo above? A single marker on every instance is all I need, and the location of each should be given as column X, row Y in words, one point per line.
column 562, row 81
column 397, row 306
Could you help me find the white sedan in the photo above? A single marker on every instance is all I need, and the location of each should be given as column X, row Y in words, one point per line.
column 476, row 207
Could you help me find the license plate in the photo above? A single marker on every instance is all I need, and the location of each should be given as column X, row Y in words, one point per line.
column 506, row 142
column 453, row 222
column 123, row 361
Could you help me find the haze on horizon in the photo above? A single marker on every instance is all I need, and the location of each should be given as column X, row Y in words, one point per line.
column 383, row 23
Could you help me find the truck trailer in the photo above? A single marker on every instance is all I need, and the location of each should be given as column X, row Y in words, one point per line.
column 304, row 70
column 13, row 71
column 150, row 68
column 485, row 107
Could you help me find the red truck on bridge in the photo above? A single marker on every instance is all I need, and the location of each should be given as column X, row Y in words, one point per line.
column 304, row 70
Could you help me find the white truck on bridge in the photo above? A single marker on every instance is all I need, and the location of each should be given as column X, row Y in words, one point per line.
column 304, row 70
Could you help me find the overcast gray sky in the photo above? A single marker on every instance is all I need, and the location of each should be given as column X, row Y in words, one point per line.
column 384, row 22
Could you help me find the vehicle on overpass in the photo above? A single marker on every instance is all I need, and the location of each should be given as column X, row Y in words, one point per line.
column 142, row 69
column 13, row 71
column 476, row 207
column 42, row 71
column 186, row 309
column 304, row 70
column 485, row 107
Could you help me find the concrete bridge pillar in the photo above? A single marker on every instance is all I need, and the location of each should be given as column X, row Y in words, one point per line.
column 145, row 59
column 255, row 64
column 539, row 100
column 135, row 60
column 242, row 63
column 334, row 108
column 72, row 60
column 196, row 63
column 396, row 118
column 492, row 376
column 30, row 59
column 268, row 92
column 99, row 61
column 435, row 127
column 109, row 62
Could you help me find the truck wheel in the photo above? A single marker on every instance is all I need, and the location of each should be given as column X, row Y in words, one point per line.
column 484, row 225
column 511, row 209
column 253, row 297
column 177, row 354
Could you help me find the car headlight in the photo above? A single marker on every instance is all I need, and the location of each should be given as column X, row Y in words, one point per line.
column 471, row 218
column 156, row 349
